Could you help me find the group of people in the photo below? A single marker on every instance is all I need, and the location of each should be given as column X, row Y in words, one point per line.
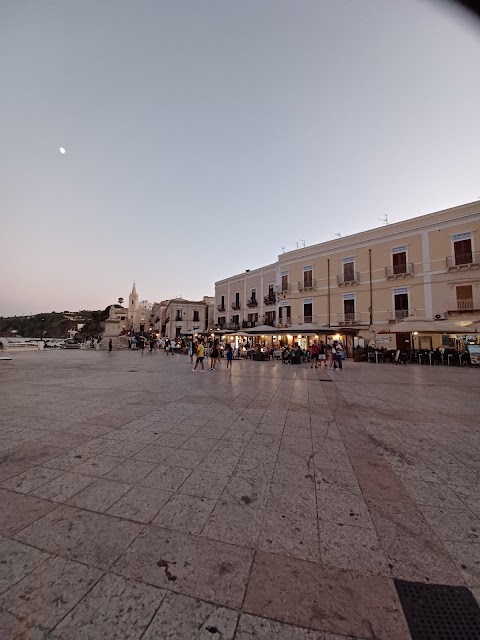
column 332, row 355
column 197, row 349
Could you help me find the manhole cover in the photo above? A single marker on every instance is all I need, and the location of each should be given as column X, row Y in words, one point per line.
column 439, row 612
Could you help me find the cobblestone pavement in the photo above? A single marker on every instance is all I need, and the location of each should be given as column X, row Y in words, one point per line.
column 141, row 500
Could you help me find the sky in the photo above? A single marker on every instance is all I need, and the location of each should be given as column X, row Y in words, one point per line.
column 202, row 136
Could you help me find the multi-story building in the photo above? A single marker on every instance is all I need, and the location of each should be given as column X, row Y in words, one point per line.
column 426, row 269
column 179, row 316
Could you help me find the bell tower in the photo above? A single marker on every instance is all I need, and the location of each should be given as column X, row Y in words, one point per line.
column 132, row 304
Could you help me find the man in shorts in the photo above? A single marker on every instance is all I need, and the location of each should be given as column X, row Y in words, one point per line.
column 322, row 356
column 314, row 353
column 200, row 357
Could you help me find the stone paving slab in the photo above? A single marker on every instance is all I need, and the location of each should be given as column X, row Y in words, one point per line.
column 138, row 500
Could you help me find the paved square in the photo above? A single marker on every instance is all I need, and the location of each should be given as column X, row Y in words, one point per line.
column 141, row 500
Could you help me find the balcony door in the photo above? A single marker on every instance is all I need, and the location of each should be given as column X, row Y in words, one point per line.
column 465, row 298
column 285, row 282
column 349, row 271
column 399, row 262
column 401, row 305
column 308, row 312
column 284, row 314
column 349, row 310
column 308, row 279
column 463, row 251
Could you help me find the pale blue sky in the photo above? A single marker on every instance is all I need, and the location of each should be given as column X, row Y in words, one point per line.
column 204, row 135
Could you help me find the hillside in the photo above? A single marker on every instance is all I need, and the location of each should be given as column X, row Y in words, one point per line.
column 55, row 325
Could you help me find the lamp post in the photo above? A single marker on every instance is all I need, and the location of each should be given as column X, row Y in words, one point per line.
column 41, row 333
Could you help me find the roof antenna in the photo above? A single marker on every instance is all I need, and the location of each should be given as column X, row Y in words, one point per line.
column 297, row 245
column 385, row 219
column 283, row 249
column 303, row 242
column 339, row 235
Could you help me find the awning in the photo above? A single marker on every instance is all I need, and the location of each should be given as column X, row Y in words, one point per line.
column 430, row 326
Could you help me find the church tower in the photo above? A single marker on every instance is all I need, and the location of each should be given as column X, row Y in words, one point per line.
column 132, row 305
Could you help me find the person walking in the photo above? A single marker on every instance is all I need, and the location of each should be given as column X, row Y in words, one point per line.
column 229, row 356
column 214, row 355
column 191, row 350
column 200, row 357
column 314, row 353
column 110, row 346
column 340, row 355
column 172, row 346
column 322, row 356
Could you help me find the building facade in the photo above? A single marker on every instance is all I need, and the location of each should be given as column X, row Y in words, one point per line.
column 426, row 268
column 179, row 316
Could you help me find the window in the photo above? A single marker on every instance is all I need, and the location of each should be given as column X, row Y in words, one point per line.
column 399, row 260
column 284, row 314
column 254, row 295
column 400, row 297
column 196, row 315
column 348, row 269
column 284, row 286
column 270, row 291
column 253, row 317
column 308, row 311
column 237, row 299
column 270, row 318
column 465, row 298
column 349, row 308
column 236, row 319
column 221, row 321
column 307, row 277
column 178, row 315
column 462, row 248
column 222, row 302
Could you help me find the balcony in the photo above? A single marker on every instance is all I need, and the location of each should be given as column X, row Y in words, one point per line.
column 269, row 300
column 306, row 319
column 283, row 288
column 284, row 322
column 178, row 318
column 464, row 306
column 398, row 314
column 220, row 307
column 464, row 261
column 249, row 324
column 269, row 321
column 399, row 271
column 309, row 285
column 348, row 318
column 236, row 306
column 252, row 303
column 231, row 326
column 348, row 278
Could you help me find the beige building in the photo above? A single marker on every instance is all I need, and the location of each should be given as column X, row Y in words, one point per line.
column 179, row 316
column 373, row 285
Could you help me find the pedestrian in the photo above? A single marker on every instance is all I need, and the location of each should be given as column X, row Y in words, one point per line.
column 110, row 346
column 142, row 344
column 152, row 345
column 2, row 348
column 329, row 356
column 214, row 355
column 172, row 346
column 314, row 353
column 191, row 350
column 229, row 357
column 134, row 343
column 200, row 357
column 340, row 353
column 322, row 356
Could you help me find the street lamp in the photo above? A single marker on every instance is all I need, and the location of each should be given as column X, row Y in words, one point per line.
column 41, row 333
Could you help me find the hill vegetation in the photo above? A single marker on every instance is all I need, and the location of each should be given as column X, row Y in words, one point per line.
column 55, row 324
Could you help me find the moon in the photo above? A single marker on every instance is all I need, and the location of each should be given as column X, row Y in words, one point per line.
column 62, row 150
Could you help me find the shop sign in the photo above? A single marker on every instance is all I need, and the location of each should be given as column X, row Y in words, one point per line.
column 284, row 303
column 474, row 351
column 349, row 296
column 308, row 301
column 399, row 249
column 400, row 290
column 383, row 339
column 348, row 260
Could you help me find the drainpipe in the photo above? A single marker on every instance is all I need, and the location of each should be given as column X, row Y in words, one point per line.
column 371, row 291
column 328, row 285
